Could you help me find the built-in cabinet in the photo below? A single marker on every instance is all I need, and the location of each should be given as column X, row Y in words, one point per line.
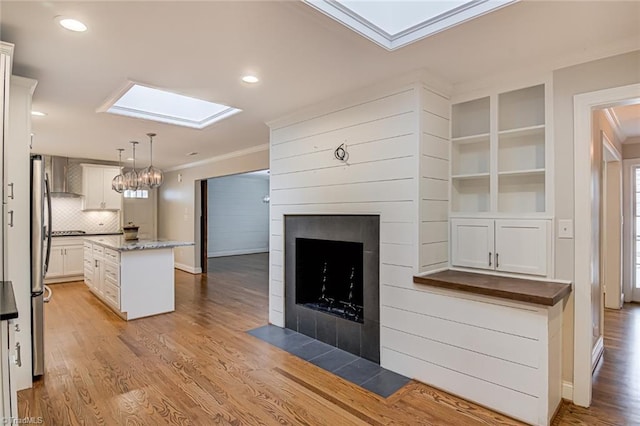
column 102, row 273
column 66, row 262
column 504, row 245
column 499, row 153
column 96, row 188
column 501, row 182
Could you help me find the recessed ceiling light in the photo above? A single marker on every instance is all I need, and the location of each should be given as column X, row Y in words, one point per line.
column 38, row 113
column 130, row 159
column 140, row 101
column 72, row 24
column 250, row 79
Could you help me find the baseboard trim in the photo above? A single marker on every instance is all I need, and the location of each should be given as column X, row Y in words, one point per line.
column 237, row 252
column 187, row 268
column 567, row 390
column 65, row 279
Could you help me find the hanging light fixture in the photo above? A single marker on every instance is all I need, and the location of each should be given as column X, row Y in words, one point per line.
column 151, row 177
column 117, row 184
column 131, row 178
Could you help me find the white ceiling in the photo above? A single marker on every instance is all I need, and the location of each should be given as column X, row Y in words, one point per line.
column 202, row 49
column 627, row 120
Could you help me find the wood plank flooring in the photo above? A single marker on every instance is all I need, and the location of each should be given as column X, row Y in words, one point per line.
column 197, row 366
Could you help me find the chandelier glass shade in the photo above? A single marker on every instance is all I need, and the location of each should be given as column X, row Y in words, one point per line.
column 151, row 177
column 131, row 177
column 117, row 184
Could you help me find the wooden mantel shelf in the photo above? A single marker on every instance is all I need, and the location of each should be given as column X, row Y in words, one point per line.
column 518, row 289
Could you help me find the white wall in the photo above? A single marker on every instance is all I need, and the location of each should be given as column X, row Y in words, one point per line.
column 238, row 221
column 606, row 73
column 179, row 199
column 397, row 139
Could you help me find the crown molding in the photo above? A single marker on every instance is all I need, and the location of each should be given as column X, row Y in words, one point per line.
column 613, row 120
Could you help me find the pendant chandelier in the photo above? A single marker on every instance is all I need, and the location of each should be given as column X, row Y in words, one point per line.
column 117, row 184
column 131, row 177
column 151, row 177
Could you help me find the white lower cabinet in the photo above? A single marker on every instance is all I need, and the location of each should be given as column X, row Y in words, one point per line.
column 10, row 358
column 102, row 273
column 504, row 245
column 66, row 261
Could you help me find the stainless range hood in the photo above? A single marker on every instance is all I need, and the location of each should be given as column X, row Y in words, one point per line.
column 58, row 172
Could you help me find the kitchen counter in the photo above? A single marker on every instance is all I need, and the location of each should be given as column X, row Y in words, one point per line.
column 86, row 234
column 8, row 308
column 120, row 244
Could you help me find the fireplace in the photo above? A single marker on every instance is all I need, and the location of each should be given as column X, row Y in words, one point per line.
column 329, row 277
column 332, row 280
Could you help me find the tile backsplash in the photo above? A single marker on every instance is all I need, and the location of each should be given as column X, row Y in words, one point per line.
column 67, row 215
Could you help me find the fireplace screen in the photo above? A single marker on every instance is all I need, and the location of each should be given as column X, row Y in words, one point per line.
column 329, row 277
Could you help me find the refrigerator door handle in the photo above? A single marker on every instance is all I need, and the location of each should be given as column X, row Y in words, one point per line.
column 48, row 233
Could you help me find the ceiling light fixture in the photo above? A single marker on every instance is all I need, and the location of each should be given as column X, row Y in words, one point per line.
column 38, row 113
column 117, row 184
column 251, row 79
column 151, row 177
column 131, row 178
column 72, row 24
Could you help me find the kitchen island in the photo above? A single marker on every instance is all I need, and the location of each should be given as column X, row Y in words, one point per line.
column 134, row 278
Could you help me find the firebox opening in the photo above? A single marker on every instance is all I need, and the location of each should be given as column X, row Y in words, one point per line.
column 329, row 277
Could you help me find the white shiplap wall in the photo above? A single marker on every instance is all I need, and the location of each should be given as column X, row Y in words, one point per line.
column 397, row 141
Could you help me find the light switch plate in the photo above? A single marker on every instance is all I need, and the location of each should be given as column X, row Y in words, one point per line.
column 565, row 228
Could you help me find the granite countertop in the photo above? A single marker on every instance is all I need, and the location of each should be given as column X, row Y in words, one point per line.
column 522, row 290
column 8, row 308
column 87, row 234
column 120, row 244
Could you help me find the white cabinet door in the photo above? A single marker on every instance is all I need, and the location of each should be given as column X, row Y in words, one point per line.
column 472, row 242
column 112, row 200
column 56, row 263
column 73, row 260
column 92, row 191
column 522, row 246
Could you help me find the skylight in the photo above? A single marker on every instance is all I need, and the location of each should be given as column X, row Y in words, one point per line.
column 158, row 105
column 393, row 24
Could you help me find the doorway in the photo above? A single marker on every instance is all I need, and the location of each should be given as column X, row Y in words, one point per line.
column 587, row 233
column 234, row 217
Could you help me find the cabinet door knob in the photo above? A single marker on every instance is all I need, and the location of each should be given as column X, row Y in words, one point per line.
column 497, row 261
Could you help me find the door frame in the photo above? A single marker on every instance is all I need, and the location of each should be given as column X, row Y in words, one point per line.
column 584, row 242
column 629, row 244
column 204, row 225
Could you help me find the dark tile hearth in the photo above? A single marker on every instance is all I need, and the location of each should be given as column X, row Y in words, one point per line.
column 359, row 371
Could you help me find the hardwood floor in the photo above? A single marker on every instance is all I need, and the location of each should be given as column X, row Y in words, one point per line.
column 197, row 366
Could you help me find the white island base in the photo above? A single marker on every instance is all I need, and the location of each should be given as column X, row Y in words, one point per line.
column 135, row 279
column 146, row 283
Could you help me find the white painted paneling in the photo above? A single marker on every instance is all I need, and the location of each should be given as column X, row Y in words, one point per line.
column 434, row 189
column 434, row 253
column 277, row 288
column 339, row 173
column 434, row 232
column 435, row 125
column 522, row 322
column 397, row 254
column 276, row 257
column 434, row 211
column 432, row 167
column 398, row 233
column 435, row 146
column 435, row 103
column 386, row 106
column 484, row 367
column 483, row 341
column 393, row 190
column 392, row 127
column 390, row 274
column 390, row 212
column 516, row 404
column 238, row 219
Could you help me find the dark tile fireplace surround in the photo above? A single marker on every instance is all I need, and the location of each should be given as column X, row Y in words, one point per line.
column 332, row 280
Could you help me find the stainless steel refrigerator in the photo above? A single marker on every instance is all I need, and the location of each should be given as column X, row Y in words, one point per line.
column 40, row 253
